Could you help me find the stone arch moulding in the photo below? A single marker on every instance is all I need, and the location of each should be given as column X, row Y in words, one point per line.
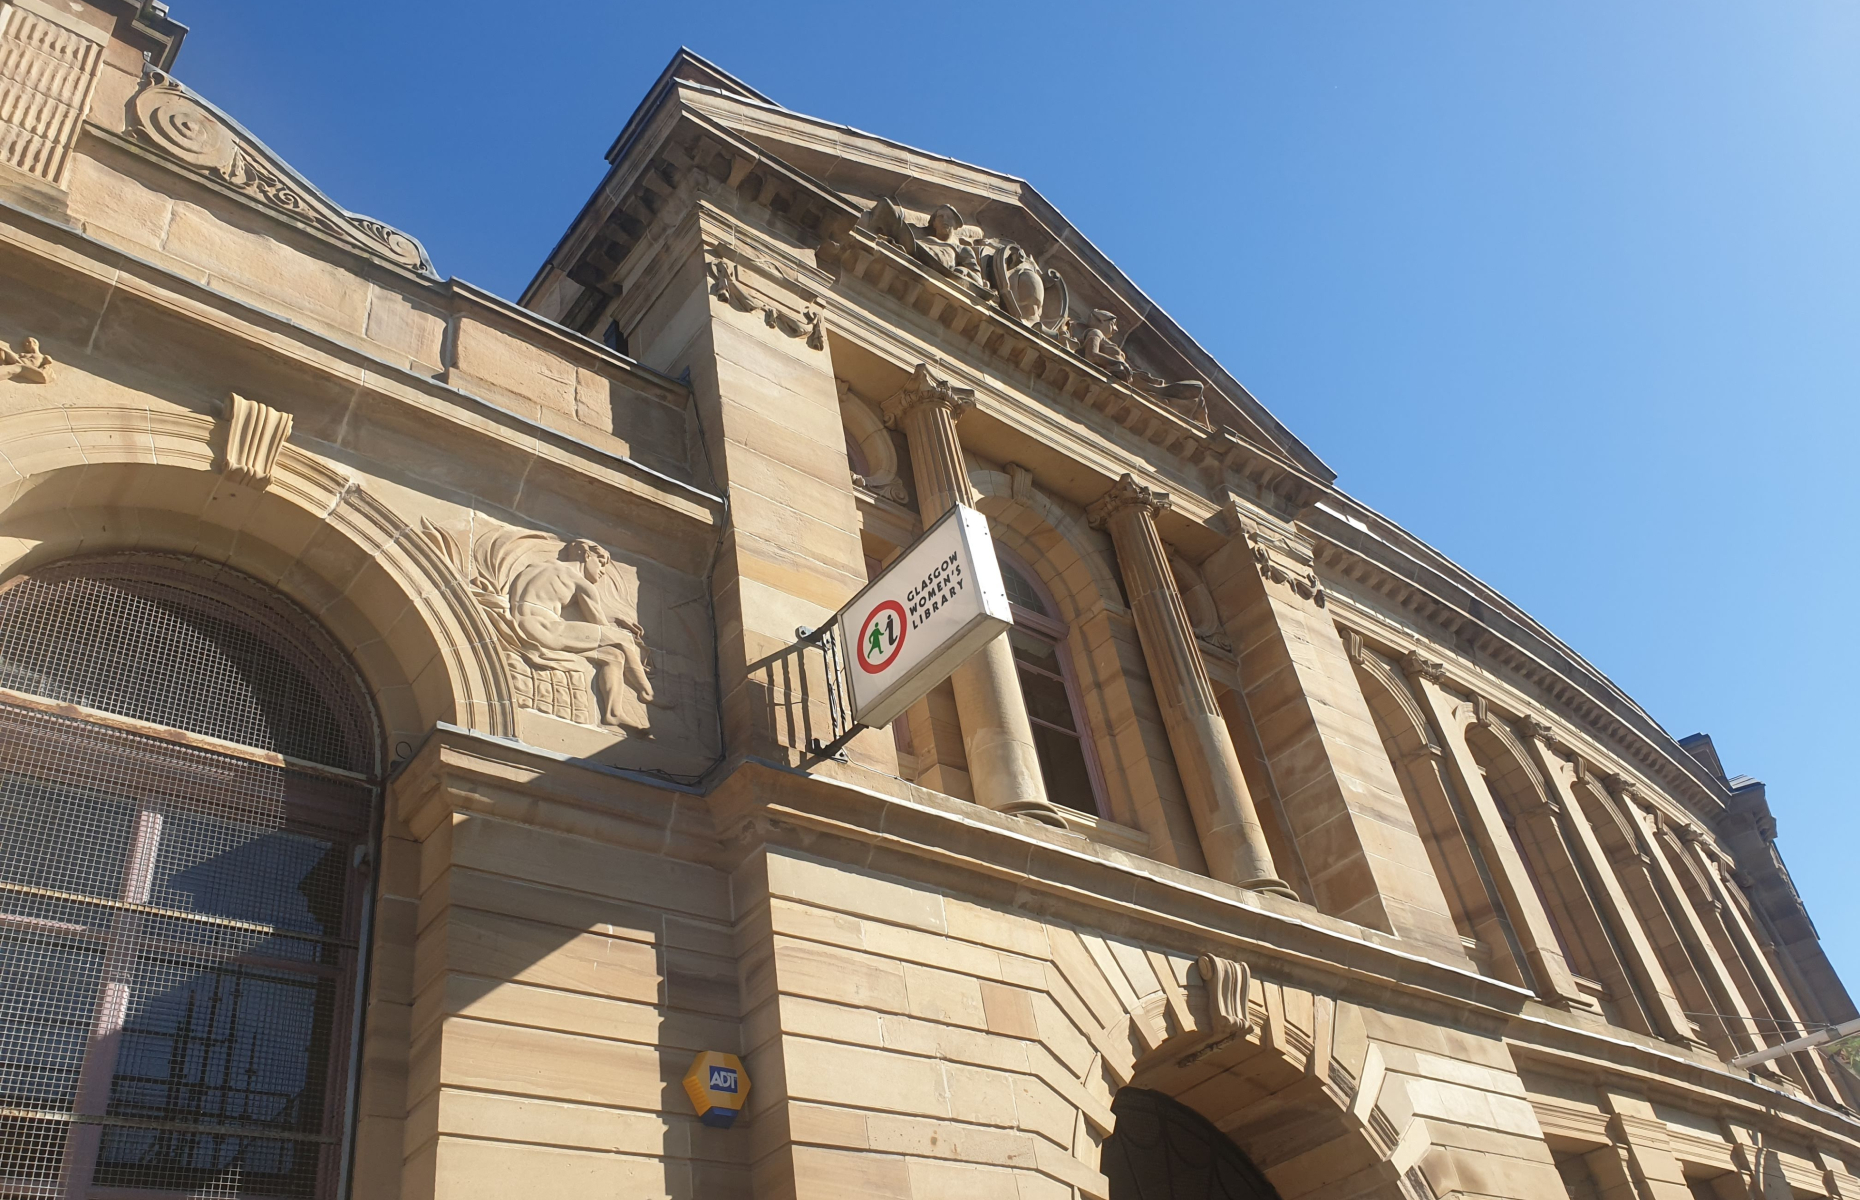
column 1290, row 1075
column 1064, row 541
column 92, row 480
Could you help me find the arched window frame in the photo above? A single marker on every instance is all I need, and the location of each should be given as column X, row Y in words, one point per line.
column 327, row 802
column 1051, row 629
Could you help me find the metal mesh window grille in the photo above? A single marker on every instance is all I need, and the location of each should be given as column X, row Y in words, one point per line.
column 219, row 655
column 179, row 939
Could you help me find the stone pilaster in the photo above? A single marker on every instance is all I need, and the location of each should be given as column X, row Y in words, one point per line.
column 1628, row 936
column 1732, row 1014
column 1529, row 919
column 1231, row 837
column 1770, row 988
column 1342, row 802
column 997, row 738
column 1638, row 1131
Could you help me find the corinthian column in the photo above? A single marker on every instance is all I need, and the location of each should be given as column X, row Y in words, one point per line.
column 1231, row 839
column 997, row 738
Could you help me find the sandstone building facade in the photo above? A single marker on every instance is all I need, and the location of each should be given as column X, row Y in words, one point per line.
column 410, row 757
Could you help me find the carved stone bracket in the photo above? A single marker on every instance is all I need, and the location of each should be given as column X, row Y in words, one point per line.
column 1415, row 663
column 255, row 436
column 1229, row 984
column 726, row 284
column 190, row 131
column 29, row 364
column 1020, row 484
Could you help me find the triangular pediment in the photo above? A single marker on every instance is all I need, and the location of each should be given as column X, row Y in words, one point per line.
column 848, row 170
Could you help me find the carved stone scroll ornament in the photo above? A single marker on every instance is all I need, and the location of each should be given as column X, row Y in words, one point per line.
column 1283, row 561
column 29, row 364
column 255, row 436
column 175, row 121
column 566, row 616
column 1098, row 346
column 1228, row 985
column 726, row 284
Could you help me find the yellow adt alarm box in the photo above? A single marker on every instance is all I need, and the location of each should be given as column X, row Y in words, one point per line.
column 717, row 1087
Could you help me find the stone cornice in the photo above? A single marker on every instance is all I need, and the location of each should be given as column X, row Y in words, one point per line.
column 673, row 144
column 1425, row 584
column 911, row 168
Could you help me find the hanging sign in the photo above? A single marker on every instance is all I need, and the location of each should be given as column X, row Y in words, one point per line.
column 717, row 1087
column 939, row 602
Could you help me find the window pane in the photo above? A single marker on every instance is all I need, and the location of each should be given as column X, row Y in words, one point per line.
column 1021, row 591
column 1034, row 650
column 1047, row 700
column 1062, row 766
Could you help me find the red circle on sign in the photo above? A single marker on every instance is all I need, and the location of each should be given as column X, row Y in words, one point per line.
column 871, row 628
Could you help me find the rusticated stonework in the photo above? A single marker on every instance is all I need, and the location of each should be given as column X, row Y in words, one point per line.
column 47, row 73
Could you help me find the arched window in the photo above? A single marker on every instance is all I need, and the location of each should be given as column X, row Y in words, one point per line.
column 1164, row 1150
column 1060, row 735
column 188, row 778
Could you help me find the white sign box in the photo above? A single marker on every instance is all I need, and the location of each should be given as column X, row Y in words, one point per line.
column 938, row 603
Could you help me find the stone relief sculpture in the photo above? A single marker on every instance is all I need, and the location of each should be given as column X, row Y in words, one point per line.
column 172, row 119
column 1098, row 346
column 566, row 614
column 726, row 284
column 29, row 364
column 1030, row 296
column 945, row 243
column 1005, row 273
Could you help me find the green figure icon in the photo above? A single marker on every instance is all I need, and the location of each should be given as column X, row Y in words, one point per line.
column 876, row 647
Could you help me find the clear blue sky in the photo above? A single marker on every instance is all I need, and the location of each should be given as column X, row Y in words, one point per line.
column 1570, row 290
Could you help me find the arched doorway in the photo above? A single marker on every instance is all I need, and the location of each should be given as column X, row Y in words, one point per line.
column 189, row 774
column 1164, row 1150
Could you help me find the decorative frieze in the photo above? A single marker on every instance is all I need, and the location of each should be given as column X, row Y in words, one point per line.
column 48, row 72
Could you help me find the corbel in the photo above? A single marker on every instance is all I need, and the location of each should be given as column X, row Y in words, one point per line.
column 1020, row 484
column 255, row 436
column 1417, row 664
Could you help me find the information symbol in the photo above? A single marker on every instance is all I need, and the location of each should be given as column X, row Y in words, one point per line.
column 881, row 636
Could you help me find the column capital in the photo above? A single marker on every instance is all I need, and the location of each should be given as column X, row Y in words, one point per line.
column 1126, row 493
column 925, row 388
column 1417, row 664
